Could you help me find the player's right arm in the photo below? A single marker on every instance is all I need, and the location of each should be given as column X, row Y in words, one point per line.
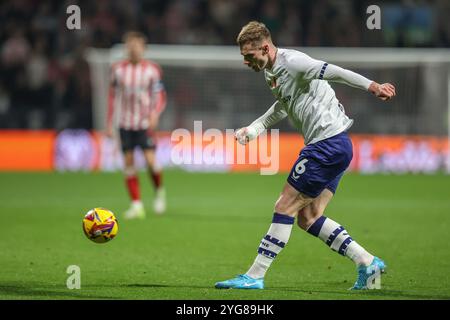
column 275, row 114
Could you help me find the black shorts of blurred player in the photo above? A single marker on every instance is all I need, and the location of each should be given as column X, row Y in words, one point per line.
column 136, row 138
column 130, row 139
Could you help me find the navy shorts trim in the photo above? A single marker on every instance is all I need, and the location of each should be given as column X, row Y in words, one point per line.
column 321, row 165
column 130, row 139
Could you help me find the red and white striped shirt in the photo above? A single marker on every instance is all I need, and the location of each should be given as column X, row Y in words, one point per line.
column 136, row 91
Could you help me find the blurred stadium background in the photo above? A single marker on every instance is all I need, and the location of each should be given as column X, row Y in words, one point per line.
column 53, row 91
column 54, row 79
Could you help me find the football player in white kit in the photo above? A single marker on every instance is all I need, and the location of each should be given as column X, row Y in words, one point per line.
column 300, row 85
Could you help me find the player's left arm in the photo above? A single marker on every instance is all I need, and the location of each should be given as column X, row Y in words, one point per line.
column 159, row 100
column 335, row 73
column 275, row 113
column 311, row 69
column 112, row 91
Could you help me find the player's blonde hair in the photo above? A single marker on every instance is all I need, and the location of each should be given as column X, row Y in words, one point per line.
column 134, row 35
column 253, row 32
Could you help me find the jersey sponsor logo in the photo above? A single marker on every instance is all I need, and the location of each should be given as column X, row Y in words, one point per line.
column 299, row 169
column 285, row 100
column 272, row 82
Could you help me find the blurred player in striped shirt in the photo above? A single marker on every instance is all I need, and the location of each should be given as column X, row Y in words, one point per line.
column 136, row 100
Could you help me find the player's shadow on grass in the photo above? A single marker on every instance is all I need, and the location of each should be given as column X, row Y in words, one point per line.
column 387, row 294
column 156, row 285
column 23, row 291
column 150, row 285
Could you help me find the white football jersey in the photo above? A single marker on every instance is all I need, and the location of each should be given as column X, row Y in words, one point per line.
column 299, row 84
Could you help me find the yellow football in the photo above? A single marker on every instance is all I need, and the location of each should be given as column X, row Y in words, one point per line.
column 100, row 225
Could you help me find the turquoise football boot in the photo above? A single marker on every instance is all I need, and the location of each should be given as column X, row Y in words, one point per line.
column 242, row 281
column 365, row 280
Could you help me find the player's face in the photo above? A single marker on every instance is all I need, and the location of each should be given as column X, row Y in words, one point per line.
column 255, row 56
column 135, row 48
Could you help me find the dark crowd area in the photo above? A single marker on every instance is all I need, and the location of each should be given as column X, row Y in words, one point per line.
column 45, row 80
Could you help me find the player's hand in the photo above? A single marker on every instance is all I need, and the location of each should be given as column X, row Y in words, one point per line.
column 109, row 132
column 383, row 91
column 244, row 135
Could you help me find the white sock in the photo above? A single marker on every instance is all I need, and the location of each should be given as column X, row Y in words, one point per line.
column 338, row 239
column 136, row 204
column 271, row 245
column 358, row 254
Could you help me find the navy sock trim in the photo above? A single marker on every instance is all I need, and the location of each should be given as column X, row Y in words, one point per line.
column 275, row 241
column 334, row 235
column 344, row 245
column 314, row 229
column 267, row 253
column 282, row 219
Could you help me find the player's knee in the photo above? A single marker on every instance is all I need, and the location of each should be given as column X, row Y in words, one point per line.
column 128, row 160
column 150, row 166
column 150, row 159
column 129, row 171
column 289, row 205
column 282, row 205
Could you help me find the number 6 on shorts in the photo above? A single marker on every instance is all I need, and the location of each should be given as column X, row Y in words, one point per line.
column 299, row 168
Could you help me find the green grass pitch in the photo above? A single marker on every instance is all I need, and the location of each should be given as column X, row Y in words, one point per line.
column 211, row 232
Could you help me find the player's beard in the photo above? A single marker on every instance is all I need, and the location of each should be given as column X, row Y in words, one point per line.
column 257, row 67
